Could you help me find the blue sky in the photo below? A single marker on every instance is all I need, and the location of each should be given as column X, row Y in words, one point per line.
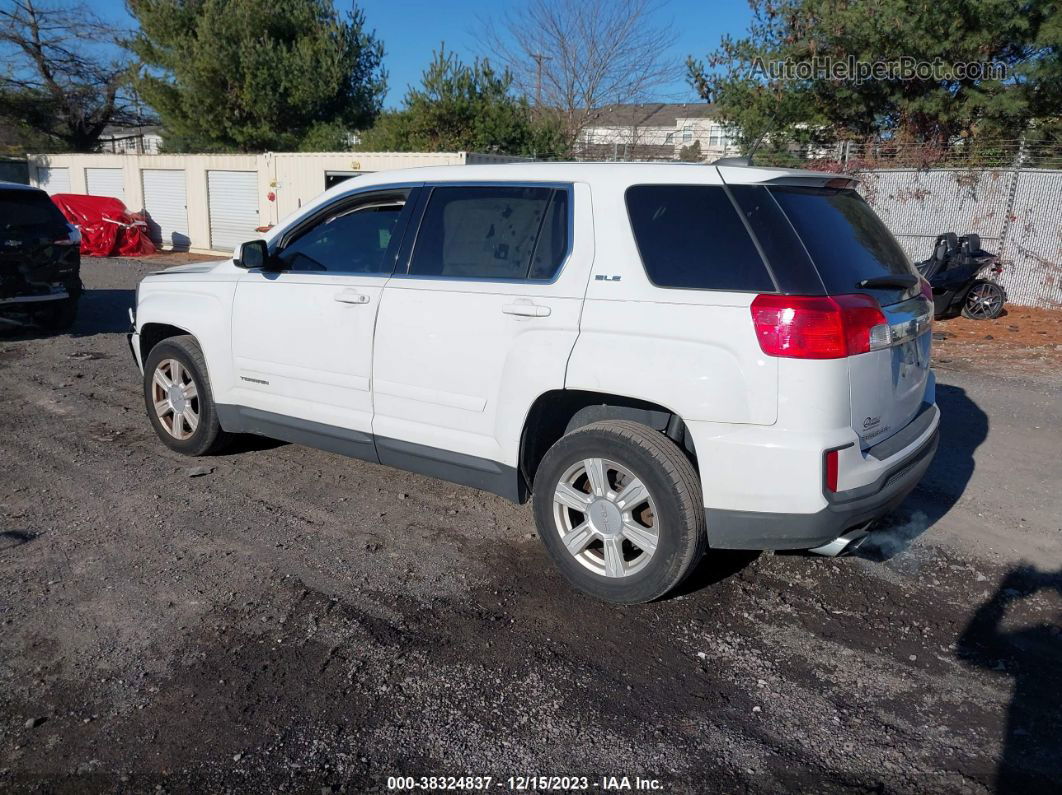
column 411, row 29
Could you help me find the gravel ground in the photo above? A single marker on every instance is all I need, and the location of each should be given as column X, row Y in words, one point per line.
column 295, row 620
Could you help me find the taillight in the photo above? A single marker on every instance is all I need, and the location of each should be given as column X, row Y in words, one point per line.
column 73, row 237
column 819, row 326
column 832, row 457
column 927, row 290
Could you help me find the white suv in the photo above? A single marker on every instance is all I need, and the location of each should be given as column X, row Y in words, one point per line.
column 665, row 358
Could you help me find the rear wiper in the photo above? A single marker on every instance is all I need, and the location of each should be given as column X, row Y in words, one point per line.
column 897, row 280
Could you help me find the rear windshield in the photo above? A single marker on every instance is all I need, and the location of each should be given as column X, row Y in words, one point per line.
column 845, row 238
column 29, row 211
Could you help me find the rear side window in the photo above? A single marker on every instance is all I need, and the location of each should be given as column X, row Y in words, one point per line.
column 492, row 233
column 690, row 236
column 30, row 211
column 845, row 238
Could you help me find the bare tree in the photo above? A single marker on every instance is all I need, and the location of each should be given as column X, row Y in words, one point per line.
column 65, row 75
column 575, row 56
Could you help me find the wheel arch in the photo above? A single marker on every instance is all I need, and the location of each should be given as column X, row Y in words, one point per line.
column 560, row 411
column 151, row 334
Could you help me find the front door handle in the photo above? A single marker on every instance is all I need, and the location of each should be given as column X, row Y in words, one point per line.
column 351, row 297
column 526, row 309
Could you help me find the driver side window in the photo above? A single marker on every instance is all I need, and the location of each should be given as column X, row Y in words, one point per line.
column 353, row 239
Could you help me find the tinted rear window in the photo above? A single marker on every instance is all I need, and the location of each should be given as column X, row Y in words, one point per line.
column 29, row 211
column 845, row 238
column 690, row 236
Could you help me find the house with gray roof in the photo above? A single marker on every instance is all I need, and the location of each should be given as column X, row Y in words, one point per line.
column 654, row 131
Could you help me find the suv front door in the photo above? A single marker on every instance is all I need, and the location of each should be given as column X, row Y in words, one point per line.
column 302, row 330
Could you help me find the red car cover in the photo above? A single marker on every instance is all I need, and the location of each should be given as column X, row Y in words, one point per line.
column 108, row 229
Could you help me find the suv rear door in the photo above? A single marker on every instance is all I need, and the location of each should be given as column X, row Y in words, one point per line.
column 479, row 323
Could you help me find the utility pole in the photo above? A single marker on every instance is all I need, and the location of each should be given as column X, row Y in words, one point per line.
column 539, row 58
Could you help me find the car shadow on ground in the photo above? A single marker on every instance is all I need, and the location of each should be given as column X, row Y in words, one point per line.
column 716, row 566
column 963, row 428
column 242, row 443
column 104, row 311
column 1030, row 653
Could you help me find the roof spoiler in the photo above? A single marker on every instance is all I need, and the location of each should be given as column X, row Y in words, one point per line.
column 733, row 161
column 740, row 174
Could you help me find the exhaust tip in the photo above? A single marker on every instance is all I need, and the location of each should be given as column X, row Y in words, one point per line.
column 844, row 544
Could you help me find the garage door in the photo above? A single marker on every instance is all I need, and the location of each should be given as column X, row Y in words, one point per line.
column 54, row 180
column 106, row 182
column 232, row 197
column 165, row 200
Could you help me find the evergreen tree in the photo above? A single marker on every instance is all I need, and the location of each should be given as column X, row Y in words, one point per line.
column 255, row 75
column 461, row 107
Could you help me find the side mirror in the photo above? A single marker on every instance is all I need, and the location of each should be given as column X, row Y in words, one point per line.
column 252, row 254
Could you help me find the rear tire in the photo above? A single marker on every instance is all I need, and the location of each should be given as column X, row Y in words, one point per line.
column 608, row 538
column 179, row 400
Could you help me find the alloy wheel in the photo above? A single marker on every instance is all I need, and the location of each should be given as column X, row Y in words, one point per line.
column 606, row 518
column 175, row 397
column 984, row 301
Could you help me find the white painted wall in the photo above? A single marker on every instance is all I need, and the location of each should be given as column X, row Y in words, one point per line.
column 292, row 178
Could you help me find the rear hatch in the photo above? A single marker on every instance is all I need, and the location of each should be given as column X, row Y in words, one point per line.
column 854, row 252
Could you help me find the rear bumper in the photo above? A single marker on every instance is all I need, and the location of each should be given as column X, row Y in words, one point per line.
column 730, row 529
column 33, row 301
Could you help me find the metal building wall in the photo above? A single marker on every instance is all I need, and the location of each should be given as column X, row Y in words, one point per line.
column 285, row 181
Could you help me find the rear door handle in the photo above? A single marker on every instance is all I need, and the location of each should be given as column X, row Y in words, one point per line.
column 351, row 297
column 527, row 310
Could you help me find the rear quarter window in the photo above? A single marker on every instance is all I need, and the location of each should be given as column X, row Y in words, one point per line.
column 691, row 237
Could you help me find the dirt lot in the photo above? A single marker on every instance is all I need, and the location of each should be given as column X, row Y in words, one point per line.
column 1021, row 340
column 295, row 620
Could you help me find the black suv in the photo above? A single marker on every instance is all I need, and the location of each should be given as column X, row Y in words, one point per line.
column 40, row 259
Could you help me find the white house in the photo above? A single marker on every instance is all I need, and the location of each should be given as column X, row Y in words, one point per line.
column 654, row 131
column 142, row 140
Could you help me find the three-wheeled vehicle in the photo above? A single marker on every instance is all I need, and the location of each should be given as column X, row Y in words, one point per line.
column 955, row 272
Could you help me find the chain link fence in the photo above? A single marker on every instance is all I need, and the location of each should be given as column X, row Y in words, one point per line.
column 1017, row 213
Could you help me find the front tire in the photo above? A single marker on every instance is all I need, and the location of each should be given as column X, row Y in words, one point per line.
column 178, row 398
column 618, row 506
